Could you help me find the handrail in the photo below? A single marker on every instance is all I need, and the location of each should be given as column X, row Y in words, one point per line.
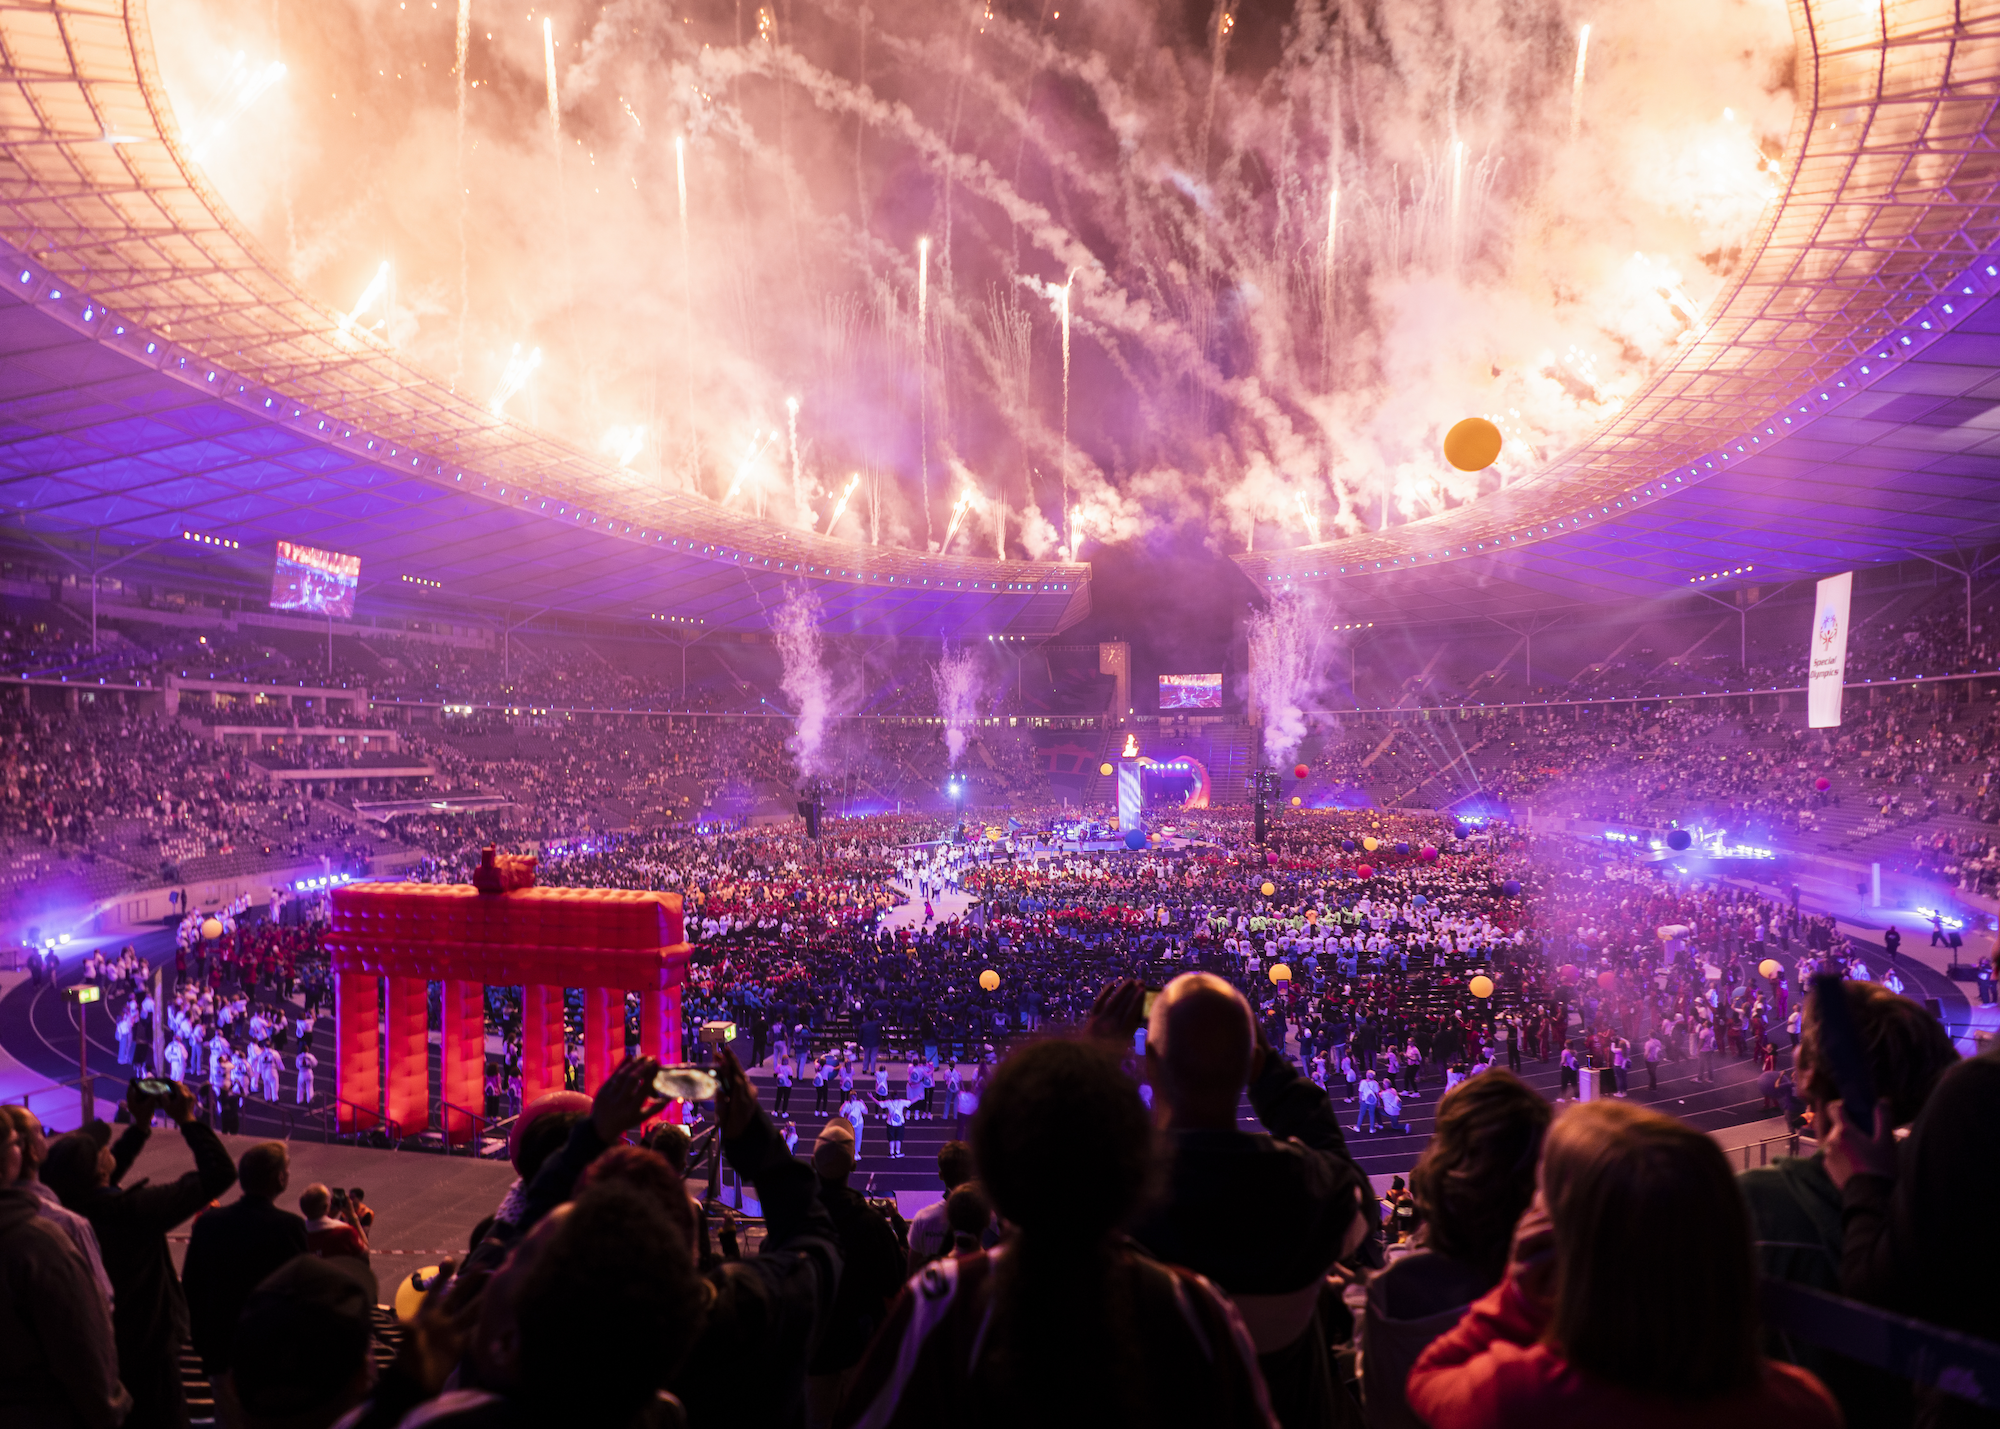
column 330, row 1117
column 480, row 1125
column 1763, row 1148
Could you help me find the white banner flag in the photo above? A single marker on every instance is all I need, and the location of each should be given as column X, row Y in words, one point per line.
column 1826, row 654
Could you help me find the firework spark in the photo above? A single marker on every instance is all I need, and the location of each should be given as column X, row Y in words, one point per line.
column 514, row 377
column 377, row 285
column 1576, row 84
column 840, row 506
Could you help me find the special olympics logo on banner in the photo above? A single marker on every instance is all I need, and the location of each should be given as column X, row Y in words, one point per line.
column 1829, row 631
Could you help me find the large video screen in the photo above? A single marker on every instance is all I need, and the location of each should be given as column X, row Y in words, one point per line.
column 310, row 579
column 1191, row 692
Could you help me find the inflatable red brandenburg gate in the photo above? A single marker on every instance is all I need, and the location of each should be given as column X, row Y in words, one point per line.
column 390, row 940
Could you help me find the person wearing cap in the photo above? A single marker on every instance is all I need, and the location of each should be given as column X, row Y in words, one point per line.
column 55, row 1325
column 232, row 1248
column 151, row 1317
column 35, row 1150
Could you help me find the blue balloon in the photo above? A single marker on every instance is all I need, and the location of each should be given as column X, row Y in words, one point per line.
column 1135, row 838
column 1679, row 839
column 1512, row 888
column 1347, row 845
column 1419, row 900
column 1402, row 848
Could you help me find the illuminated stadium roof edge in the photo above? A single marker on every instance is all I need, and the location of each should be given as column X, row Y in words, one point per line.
column 160, row 377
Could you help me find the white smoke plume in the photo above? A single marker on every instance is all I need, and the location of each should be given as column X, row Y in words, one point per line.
column 805, row 681
column 958, row 681
column 1285, row 671
column 1297, row 249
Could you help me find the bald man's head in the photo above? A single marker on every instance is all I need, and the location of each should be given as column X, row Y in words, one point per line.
column 1199, row 1042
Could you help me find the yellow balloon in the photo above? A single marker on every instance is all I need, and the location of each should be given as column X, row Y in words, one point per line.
column 1371, row 844
column 1472, row 445
column 989, row 979
column 1770, row 967
column 1268, row 889
column 1481, row 985
column 211, row 928
column 1296, row 801
column 1105, row 770
column 1280, row 973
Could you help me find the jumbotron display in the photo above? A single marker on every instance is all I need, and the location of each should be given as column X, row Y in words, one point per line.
column 322, row 582
column 1191, row 692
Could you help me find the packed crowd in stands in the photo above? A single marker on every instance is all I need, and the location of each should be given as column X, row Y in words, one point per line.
column 1116, row 1247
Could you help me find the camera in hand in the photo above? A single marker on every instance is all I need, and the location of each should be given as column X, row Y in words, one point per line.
column 716, row 1033
column 154, row 1087
column 684, row 1083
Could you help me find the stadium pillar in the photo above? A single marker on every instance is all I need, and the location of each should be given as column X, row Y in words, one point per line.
column 463, row 1054
column 542, row 1042
column 406, row 1056
column 357, row 1030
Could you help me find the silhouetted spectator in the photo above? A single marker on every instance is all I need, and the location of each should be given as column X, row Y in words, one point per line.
column 1795, row 1208
column 299, row 1348
column 1065, row 1323
column 56, row 1340
column 151, row 1313
column 1471, row 1185
column 1914, row 1215
column 1303, row 1196
column 233, row 1248
column 1629, row 1298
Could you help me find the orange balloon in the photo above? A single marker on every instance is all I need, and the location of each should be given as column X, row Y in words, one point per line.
column 1105, row 770
column 1472, row 445
column 1481, row 986
column 989, row 979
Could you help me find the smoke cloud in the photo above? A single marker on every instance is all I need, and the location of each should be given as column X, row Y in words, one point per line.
column 1300, row 240
column 804, row 679
column 958, row 682
column 1285, row 672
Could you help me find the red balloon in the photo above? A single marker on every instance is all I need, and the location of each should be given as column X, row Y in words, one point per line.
column 1427, row 854
column 1567, row 972
column 1300, row 771
column 1822, row 783
column 1364, row 872
column 1607, row 979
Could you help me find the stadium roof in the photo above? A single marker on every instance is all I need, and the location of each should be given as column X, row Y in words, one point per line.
column 1842, row 408
column 161, row 378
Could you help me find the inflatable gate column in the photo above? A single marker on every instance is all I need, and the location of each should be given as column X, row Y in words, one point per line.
column 543, row 1045
column 606, row 941
column 357, row 1037
column 462, row 1056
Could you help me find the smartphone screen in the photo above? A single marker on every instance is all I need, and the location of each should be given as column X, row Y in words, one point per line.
column 1146, row 1005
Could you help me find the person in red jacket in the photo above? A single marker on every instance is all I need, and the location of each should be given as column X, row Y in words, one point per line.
column 1629, row 1298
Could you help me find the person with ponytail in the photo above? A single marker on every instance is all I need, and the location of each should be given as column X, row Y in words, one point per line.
column 1065, row 1322
column 1629, row 1298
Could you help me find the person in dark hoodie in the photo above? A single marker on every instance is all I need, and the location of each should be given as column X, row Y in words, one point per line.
column 1795, row 1208
column 1471, row 1185
column 151, row 1315
column 1308, row 1205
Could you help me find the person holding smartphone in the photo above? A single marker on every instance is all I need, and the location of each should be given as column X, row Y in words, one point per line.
column 150, row 1316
